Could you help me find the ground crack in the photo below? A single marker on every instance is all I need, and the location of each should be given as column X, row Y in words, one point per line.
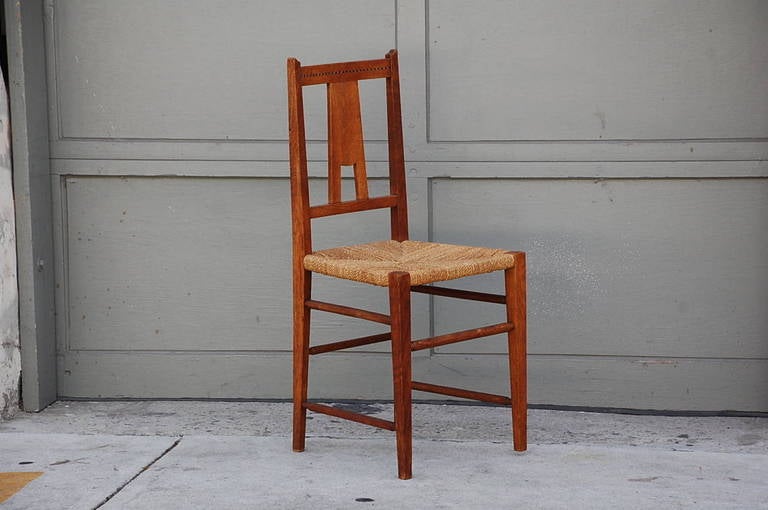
column 123, row 486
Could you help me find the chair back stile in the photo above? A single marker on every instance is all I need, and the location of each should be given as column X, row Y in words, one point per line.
column 300, row 219
column 399, row 213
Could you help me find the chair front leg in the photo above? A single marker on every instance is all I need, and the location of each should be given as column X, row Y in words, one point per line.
column 301, row 326
column 515, row 287
column 400, row 313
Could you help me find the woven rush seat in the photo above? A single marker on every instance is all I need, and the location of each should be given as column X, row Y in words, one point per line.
column 426, row 262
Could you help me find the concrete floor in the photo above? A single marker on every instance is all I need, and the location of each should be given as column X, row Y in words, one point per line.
column 237, row 455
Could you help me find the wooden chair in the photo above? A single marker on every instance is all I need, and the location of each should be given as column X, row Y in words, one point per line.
column 401, row 265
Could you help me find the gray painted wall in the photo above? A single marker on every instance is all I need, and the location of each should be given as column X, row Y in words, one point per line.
column 621, row 144
column 32, row 193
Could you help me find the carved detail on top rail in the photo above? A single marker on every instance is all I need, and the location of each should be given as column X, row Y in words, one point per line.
column 344, row 71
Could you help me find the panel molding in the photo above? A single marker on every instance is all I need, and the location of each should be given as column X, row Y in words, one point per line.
column 626, row 267
column 64, row 145
column 410, row 36
column 599, row 140
column 611, row 381
column 130, row 278
column 423, row 169
column 679, row 384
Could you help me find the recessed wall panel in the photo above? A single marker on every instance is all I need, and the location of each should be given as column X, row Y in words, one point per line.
column 199, row 70
column 192, row 264
column 597, row 70
column 652, row 267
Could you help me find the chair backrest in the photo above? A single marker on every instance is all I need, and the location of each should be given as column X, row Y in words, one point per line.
column 345, row 144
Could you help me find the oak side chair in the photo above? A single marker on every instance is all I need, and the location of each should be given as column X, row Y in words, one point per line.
column 401, row 265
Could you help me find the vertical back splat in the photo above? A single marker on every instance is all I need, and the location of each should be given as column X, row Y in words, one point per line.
column 345, row 139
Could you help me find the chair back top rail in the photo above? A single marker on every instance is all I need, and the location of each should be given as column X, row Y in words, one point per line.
column 344, row 71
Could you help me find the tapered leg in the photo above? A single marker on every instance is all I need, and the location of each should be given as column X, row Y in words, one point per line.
column 514, row 283
column 301, row 292
column 400, row 312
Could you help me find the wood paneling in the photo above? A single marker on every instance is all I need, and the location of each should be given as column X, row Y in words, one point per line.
column 622, row 144
column 650, row 267
column 167, row 264
column 199, row 69
column 597, row 70
column 641, row 383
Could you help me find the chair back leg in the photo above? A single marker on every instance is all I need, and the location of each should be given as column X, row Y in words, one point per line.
column 515, row 287
column 301, row 328
column 400, row 312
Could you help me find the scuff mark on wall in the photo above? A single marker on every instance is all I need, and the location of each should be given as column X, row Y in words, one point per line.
column 601, row 117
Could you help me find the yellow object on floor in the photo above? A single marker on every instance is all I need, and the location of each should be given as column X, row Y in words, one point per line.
column 11, row 483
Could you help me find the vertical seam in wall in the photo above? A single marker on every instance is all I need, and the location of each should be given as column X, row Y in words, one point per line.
column 62, row 337
column 426, row 72
column 397, row 24
column 52, row 74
